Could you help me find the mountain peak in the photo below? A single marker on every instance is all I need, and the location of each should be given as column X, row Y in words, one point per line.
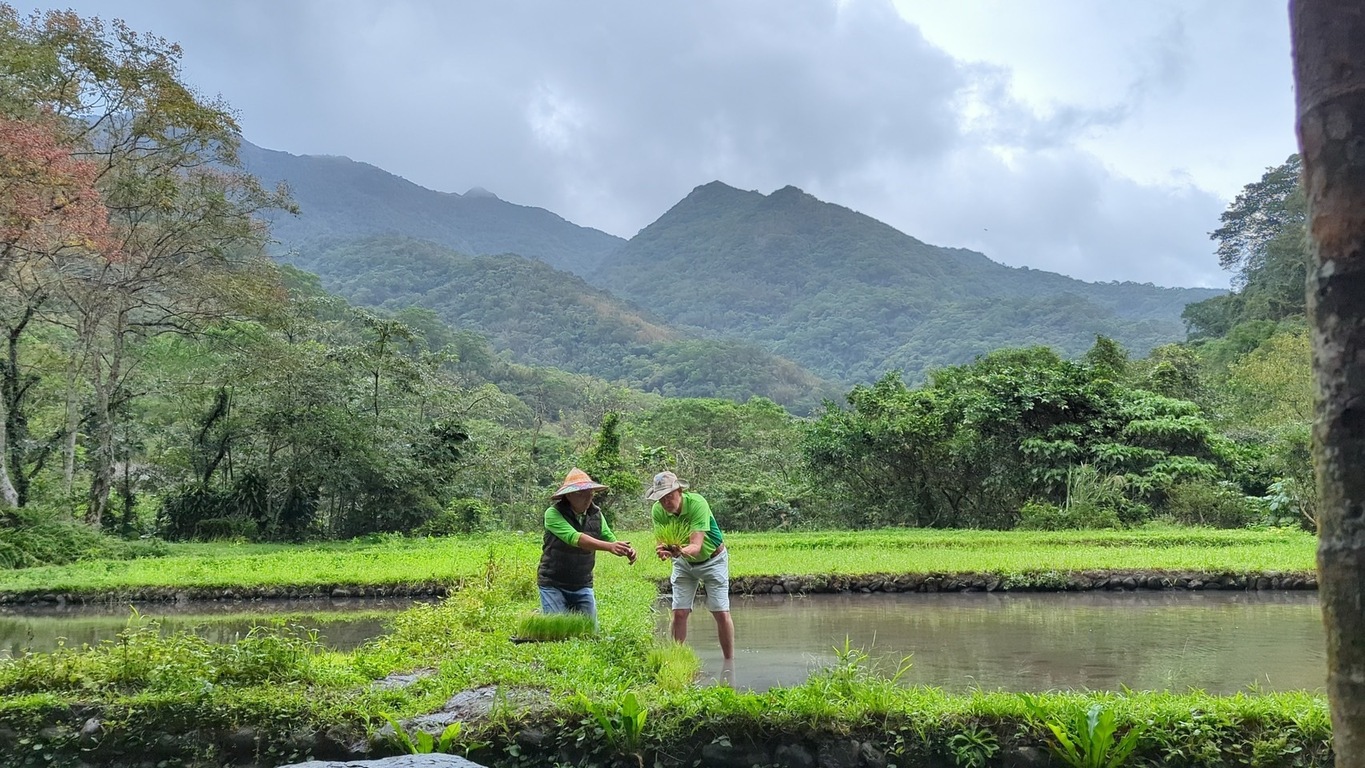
column 480, row 192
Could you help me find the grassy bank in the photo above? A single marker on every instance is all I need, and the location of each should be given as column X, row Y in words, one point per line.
column 395, row 560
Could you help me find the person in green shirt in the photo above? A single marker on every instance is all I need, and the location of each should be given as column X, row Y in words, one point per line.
column 702, row 560
column 575, row 532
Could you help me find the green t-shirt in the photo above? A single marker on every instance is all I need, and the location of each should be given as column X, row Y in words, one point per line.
column 697, row 513
column 556, row 524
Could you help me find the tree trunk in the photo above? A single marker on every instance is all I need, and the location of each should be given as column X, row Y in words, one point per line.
column 101, row 456
column 1329, row 72
column 106, row 388
column 8, row 495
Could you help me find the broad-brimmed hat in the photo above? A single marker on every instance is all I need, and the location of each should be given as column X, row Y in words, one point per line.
column 664, row 484
column 576, row 480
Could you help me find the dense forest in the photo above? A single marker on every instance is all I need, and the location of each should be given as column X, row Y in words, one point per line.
column 164, row 378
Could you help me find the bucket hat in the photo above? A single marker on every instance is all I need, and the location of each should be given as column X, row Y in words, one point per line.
column 576, row 480
column 664, row 484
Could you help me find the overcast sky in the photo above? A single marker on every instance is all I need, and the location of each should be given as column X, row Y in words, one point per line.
column 1096, row 139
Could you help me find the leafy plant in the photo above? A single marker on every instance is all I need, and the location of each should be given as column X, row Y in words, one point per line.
column 419, row 742
column 623, row 726
column 973, row 747
column 1090, row 740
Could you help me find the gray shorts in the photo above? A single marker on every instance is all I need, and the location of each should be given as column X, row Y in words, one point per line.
column 714, row 573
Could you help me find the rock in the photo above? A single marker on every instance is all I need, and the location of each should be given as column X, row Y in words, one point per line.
column 871, row 755
column 400, row 761
column 842, row 753
column 241, row 744
column 794, row 756
column 402, row 680
column 1025, row 757
column 534, row 737
column 91, row 732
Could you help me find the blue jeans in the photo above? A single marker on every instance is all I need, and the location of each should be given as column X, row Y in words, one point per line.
column 556, row 600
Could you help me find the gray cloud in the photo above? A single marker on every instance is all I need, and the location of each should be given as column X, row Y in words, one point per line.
column 611, row 112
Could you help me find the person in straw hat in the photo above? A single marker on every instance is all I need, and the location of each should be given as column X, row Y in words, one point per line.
column 702, row 560
column 575, row 532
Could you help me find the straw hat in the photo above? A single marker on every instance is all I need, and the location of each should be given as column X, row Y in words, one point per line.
column 576, row 480
column 664, row 484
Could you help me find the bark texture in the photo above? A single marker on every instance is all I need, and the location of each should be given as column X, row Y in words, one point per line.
column 1329, row 73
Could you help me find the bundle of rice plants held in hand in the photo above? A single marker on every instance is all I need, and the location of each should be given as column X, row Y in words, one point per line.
column 674, row 533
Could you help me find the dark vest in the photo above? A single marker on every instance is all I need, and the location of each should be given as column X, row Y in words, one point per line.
column 564, row 566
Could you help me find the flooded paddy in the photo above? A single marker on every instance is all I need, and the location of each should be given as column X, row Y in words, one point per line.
column 341, row 624
column 1219, row 642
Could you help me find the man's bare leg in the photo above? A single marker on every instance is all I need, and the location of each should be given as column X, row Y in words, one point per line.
column 680, row 624
column 725, row 630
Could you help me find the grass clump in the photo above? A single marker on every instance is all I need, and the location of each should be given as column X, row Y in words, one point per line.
column 552, row 627
column 675, row 666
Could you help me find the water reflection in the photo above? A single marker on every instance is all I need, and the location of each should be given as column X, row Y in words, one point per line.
column 1220, row 642
column 341, row 624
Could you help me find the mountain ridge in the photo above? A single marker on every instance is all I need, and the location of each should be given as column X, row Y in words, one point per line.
column 841, row 293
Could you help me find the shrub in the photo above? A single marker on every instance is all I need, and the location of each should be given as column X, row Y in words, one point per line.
column 1219, row 505
column 1042, row 516
column 748, row 508
column 459, row 516
column 41, row 536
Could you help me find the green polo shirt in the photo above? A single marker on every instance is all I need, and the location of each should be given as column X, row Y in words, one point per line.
column 556, row 524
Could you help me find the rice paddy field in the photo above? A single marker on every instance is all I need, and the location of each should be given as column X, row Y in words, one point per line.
column 622, row 696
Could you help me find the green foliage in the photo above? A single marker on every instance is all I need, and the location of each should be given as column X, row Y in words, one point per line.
column 421, row 742
column 1218, row 505
column 1089, row 740
column 1263, row 239
column 623, row 724
column 675, row 666
column 973, row 747
column 35, row 535
column 738, row 455
column 1043, row 516
column 854, row 677
column 971, row 447
column 459, row 516
column 572, row 325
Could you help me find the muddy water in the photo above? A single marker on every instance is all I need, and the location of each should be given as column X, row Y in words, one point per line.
column 340, row 624
column 1219, row 642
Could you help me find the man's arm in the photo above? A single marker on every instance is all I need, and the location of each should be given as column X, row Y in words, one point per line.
column 560, row 527
column 694, row 544
column 556, row 524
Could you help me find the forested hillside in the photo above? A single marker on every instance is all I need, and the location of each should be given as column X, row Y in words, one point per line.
column 845, row 296
column 339, row 197
column 547, row 317
column 851, row 298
